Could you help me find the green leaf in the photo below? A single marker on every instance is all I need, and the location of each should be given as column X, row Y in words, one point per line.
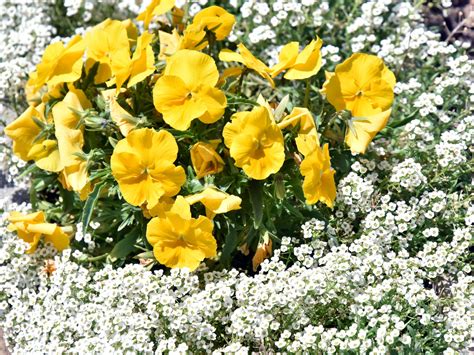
column 68, row 199
column 124, row 247
column 89, row 207
column 230, row 245
column 145, row 255
column 256, row 199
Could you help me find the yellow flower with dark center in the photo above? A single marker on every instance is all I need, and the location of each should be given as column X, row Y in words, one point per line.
column 205, row 159
column 187, row 90
column 30, row 228
column 300, row 65
column 28, row 142
column 248, row 60
column 60, row 64
column 156, row 8
column 180, row 241
column 217, row 20
column 364, row 86
column 318, row 184
column 255, row 142
column 108, row 44
column 70, row 139
column 143, row 165
column 215, row 201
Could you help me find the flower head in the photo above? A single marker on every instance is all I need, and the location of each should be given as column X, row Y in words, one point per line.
column 187, row 90
column 60, row 64
column 143, row 165
column 180, row 241
column 215, row 201
column 255, row 143
column 30, row 228
column 215, row 19
column 156, row 8
column 194, row 37
column 205, row 159
column 248, row 60
column 29, row 143
column 318, row 184
column 299, row 65
column 364, row 86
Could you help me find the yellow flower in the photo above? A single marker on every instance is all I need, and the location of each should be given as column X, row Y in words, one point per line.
column 156, row 8
column 30, row 228
column 300, row 66
column 217, row 20
column 108, row 44
column 28, row 144
column 318, row 184
column 60, row 64
column 118, row 114
column 215, row 201
column 364, row 86
column 180, row 241
column 194, row 37
column 248, row 60
column 301, row 116
column 205, row 159
column 70, row 139
column 255, row 142
column 187, row 90
column 264, row 250
column 143, row 165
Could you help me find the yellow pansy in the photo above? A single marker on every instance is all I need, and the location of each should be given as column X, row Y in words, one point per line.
column 180, row 241
column 300, row 65
column 70, row 139
column 364, row 86
column 60, row 64
column 118, row 114
column 28, row 143
column 192, row 38
column 108, row 44
column 318, row 184
column 143, row 60
column 30, row 228
column 248, row 60
column 156, row 8
column 187, row 90
column 301, row 116
column 215, row 201
column 143, row 165
column 255, row 142
column 205, row 159
column 217, row 20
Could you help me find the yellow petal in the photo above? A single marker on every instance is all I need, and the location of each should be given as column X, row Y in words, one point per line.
column 217, row 20
column 156, row 8
column 307, row 63
column 286, row 58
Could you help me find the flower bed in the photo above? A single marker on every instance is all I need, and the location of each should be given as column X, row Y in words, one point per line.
column 276, row 208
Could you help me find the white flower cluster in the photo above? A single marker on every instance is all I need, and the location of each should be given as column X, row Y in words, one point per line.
column 453, row 146
column 409, row 174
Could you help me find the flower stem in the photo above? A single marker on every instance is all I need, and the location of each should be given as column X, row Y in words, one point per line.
column 307, row 101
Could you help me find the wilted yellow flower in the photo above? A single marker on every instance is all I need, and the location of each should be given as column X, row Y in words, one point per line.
column 156, row 8
column 28, row 144
column 300, row 65
column 70, row 139
column 60, row 64
column 215, row 19
column 215, row 201
column 364, row 86
column 143, row 165
column 318, row 175
column 264, row 250
column 108, row 44
column 30, row 228
column 255, row 142
column 248, row 60
column 205, row 159
column 180, row 241
column 118, row 114
column 187, row 90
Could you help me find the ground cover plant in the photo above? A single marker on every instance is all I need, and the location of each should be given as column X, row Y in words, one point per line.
column 237, row 177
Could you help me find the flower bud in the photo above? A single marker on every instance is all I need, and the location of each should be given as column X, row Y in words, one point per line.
column 205, row 159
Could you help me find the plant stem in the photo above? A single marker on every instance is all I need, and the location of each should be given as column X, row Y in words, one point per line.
column 307, row 101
